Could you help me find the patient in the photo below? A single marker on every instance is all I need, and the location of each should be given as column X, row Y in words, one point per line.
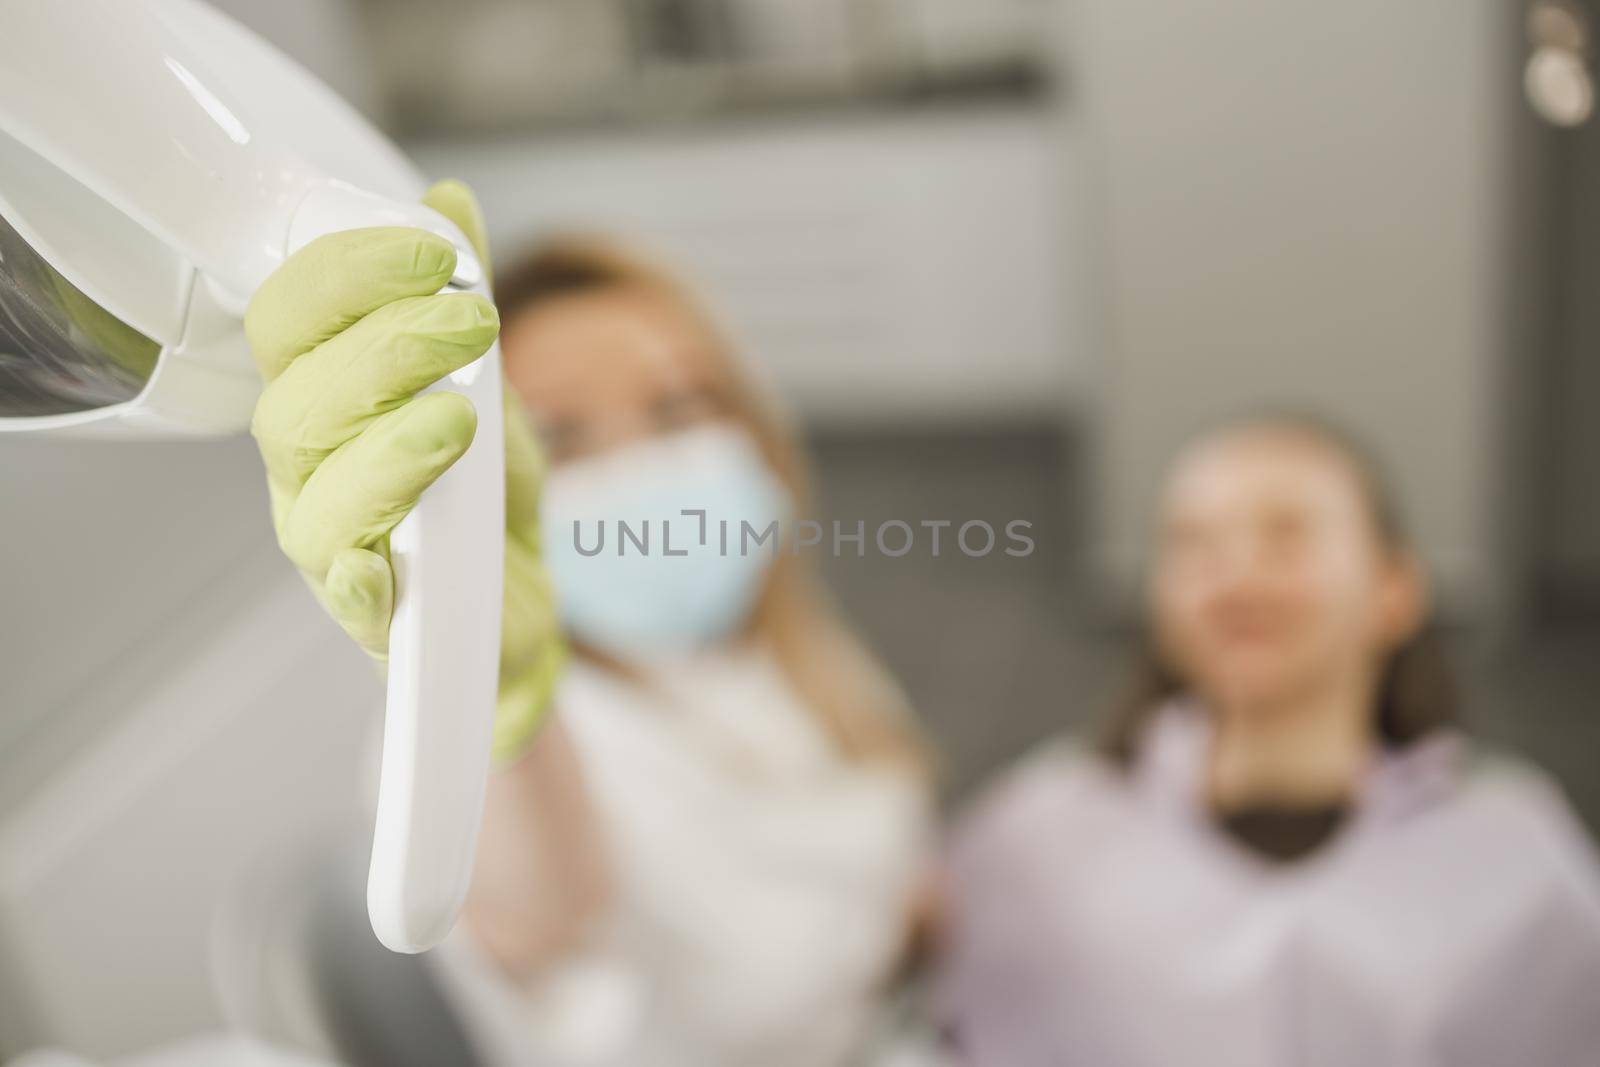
column 712, row 853
column 1284, row 850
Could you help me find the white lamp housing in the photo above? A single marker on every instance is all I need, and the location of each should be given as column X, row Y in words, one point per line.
column 157, row 162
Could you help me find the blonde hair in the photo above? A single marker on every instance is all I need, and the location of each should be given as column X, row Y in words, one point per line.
column 857, row 704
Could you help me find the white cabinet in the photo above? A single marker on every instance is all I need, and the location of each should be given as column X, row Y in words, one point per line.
column 883, row 266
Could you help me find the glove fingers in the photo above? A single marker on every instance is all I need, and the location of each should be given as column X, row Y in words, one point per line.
column 523, row 702
column 525, row 466
column 336, row 280
column 528, row 621
column 359, row 594
column 369, row 484
column 332, row 393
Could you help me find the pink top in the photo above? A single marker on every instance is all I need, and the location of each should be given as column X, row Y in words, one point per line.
column 1099, row 918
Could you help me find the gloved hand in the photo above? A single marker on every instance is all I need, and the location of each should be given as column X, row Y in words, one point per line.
column 345, row 333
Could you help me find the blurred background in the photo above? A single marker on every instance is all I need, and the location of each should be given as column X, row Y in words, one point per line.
column 998, row 258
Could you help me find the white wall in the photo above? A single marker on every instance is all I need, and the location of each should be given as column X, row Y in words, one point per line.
column 174, row 711
column 1300, row 202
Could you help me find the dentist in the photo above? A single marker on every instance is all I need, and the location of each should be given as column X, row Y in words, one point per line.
column 704, row 841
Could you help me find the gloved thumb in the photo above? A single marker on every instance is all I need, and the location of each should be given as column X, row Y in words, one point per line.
column 454, row 200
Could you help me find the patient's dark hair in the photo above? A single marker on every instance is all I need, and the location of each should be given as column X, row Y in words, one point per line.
column 1416, row 691
column 562, row 267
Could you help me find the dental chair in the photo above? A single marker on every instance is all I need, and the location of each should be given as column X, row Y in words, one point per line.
column 296, row 964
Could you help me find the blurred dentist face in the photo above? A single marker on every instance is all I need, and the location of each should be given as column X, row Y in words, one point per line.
column 612, row 366
column 626, row 387
column 1271, row 581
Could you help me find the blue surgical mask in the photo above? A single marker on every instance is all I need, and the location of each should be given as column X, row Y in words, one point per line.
column 638, row 578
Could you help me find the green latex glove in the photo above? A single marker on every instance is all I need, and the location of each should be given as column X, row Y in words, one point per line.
column 345, row 334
